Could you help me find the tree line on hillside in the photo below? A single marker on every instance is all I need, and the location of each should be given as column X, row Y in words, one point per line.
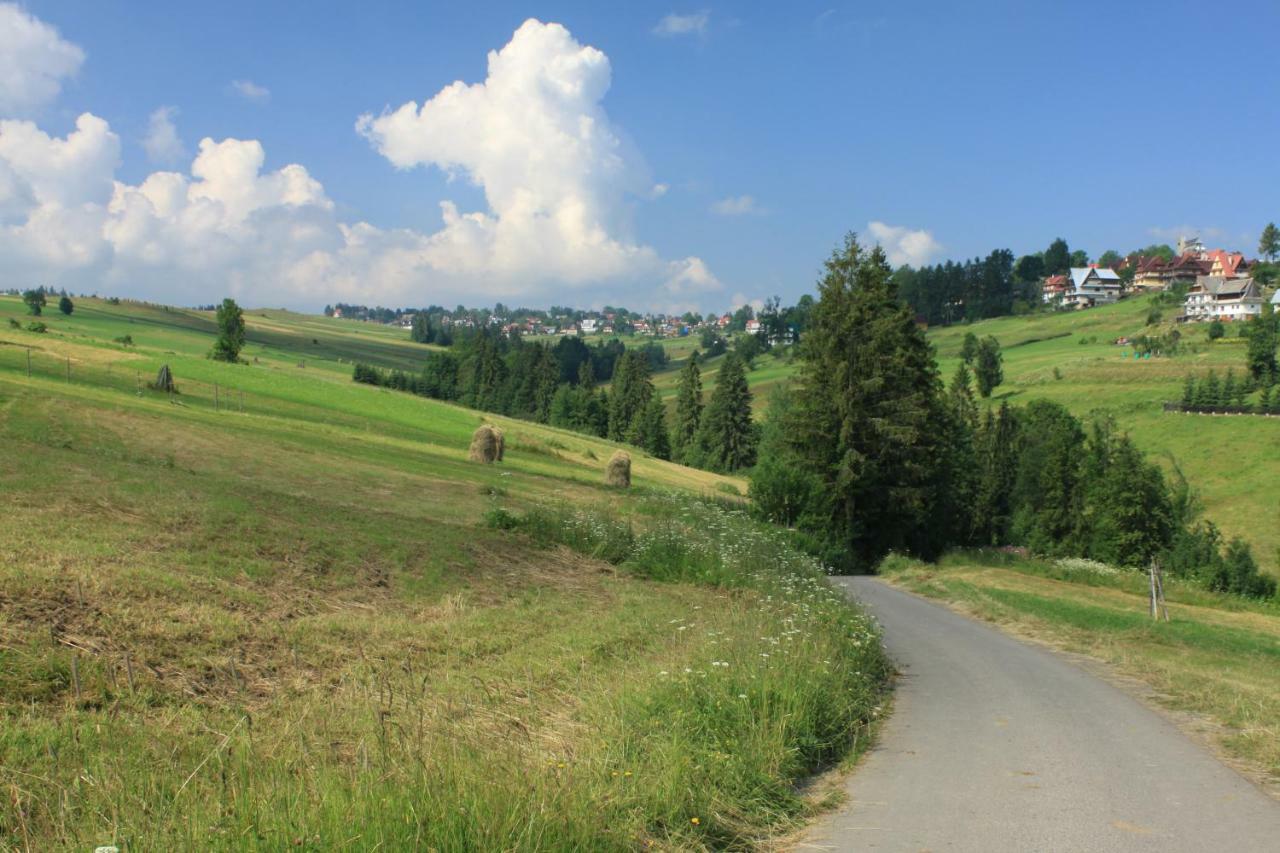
column 868, row 454
column 558, row 385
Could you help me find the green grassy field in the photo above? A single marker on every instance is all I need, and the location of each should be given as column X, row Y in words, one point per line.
column 273, row 611
column 1218, row 656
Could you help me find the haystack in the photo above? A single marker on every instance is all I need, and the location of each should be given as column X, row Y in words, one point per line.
column 164, row 379
column 485, row 444
column 618, row 471
column 502, row 442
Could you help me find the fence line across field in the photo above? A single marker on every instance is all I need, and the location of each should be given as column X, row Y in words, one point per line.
column 121, row 374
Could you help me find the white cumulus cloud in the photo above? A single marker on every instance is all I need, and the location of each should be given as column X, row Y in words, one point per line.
column 737, row 205
column 34, row 60
column 556, row 172
column 162, row 143
column 904, row 245
column 251, row 91
column 558, row 178
column 692, row 24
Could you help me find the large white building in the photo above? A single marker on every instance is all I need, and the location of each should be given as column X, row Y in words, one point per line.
column 1215, row 298
column 1092, row 286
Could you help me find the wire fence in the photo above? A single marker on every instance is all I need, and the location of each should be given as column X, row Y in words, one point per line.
column 127, row 375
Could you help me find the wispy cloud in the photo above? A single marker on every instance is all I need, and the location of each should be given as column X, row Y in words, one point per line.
column 162, row 143
column 692, row 24
column 251, row 91
column 904, row 245
column 737, row 205
column 1173, row 233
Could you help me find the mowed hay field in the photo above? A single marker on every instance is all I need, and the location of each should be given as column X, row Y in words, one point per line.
column 273, row 611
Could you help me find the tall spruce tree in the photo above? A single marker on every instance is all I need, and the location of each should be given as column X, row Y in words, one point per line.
column 632, row 389
column 1048, row 496
column 960, row 396
column 1264, row 337
column 727, row 438
column 869, row 420
column 996, row 454
column 649, row 429
column 1129, row 515
column 688, row 407
column 988, row 368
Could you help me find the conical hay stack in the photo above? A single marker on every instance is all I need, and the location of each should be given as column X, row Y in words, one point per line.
column 484, row 444
column 618, row 471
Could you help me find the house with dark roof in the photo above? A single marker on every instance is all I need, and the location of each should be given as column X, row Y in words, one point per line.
column 1155, row 273
column 1228, row 299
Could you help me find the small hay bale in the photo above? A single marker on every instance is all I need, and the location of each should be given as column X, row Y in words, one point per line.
column 484, row 444
column 502, row 442
column 618, row 471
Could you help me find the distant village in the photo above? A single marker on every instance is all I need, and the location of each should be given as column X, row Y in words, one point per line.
column 1217, row 283
column 559, row 321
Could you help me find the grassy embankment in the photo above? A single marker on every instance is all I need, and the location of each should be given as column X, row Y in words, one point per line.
column 1218, row 656
column 285, row 622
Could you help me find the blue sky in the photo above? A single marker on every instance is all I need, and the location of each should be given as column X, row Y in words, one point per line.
column 959, row 127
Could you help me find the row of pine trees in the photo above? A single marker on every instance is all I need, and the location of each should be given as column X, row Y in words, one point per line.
column 558, row 385
column 1209, row 394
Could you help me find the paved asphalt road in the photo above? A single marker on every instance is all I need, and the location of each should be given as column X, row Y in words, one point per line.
column 994, row 745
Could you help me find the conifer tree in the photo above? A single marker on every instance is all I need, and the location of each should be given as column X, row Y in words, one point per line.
column 1189, row 392
column 996, row 451
column 1229, row 388
column 65, row 305
column 1128, row 517
column 988, row 369
column 869, row 418
column 1208, row 395
column 1269, row 243
column 1047, row 495
column 688, row 407
column 632, row 389
column 727, row 437
column 1263, row 339
column 960, row 396
column 649, row 429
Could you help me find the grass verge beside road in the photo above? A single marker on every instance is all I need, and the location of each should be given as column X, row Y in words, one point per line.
column 1218, row 656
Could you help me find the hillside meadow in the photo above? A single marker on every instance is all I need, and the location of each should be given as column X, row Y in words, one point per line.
column 280, row 609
